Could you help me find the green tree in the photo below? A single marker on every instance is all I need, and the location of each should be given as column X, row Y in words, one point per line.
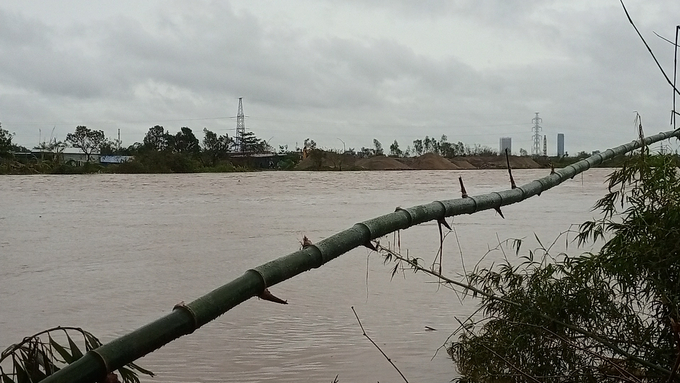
column 459, row 149
column 216, row 147
column 110, row 147
column 5, row 142
column 157, row 139
column 427, row 144
column 378, row 147
column 394, row 149
column 612, row 316
column 445, row 147
column 87, row 140
column 185, row 142
column 51, row 150
column 418, row 147
column 309, row 144
column 252, row 144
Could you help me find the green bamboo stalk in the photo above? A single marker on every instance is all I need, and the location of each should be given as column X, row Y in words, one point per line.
column 185, row 319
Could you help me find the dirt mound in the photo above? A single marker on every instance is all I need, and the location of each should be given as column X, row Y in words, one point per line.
column 462, row 163
column 498, row 162
column 431, row 161
column 328, row 161
column 524, row 163
column 381, row 163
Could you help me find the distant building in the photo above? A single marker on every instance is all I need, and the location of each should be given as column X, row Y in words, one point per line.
column 109, row 160
column 505, row 143
column 560, row 145
column 68, row 156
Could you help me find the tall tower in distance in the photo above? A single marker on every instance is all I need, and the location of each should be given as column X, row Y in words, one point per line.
column 536, row 150
column 505, row 143
column 560, row 145
column 240, row 127
column 545, row 146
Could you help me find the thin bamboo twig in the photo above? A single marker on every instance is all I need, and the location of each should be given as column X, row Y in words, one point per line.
column 378, row 347
column 674, row 113
column 675, row 90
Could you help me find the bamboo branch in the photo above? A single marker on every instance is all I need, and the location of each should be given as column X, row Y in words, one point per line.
column 378, row 347
column 648, row 48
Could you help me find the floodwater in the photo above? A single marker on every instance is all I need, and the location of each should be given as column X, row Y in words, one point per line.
column 111, row 253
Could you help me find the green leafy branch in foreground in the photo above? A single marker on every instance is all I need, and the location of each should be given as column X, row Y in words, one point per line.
column 611, row 316
column 35, row 357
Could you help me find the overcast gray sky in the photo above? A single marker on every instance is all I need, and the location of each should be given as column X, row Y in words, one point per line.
column 337, row 71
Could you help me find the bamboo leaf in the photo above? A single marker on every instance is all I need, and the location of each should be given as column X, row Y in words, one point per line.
column 91, row 341
column 68, row 358
column 394, row 271
column 539, row 241
column 128, row 375
column 22, row 376
column 75, row 351
column 140, row 369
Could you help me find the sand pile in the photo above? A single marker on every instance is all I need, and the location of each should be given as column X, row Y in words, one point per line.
column 524, row 163
column 498, row 162
column 381, row 163
column 431, row 161
column 463, row 163
column 330, row 161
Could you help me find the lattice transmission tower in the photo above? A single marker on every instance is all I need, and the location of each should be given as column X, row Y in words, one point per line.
column 239, row 142
column 536, row 150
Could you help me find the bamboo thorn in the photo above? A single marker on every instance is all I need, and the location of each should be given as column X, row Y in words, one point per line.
column 267, row 296
column 463, row 192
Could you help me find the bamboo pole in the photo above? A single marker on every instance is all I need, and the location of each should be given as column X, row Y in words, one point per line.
column 185, row 319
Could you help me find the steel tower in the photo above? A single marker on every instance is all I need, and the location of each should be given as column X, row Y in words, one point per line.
column 536, row 150
column 545, row 146
column 240, row 127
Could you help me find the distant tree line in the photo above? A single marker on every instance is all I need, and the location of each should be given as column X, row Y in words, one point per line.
column 160, row 152
column 423, row 146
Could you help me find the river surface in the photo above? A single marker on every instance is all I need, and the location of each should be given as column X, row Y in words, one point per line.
column 111, row 253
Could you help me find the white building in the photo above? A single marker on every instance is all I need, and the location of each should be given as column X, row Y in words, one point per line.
column 560, row 144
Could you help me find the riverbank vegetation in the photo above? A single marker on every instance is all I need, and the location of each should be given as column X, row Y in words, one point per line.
column 610, row 316
column 160, row 152
column 182, row 152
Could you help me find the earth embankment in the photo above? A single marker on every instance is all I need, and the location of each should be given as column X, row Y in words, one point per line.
column 428, row 161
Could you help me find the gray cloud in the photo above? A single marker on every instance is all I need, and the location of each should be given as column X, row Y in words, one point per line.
column 180, row 64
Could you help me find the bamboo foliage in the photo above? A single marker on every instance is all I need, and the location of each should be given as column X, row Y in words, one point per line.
column 184, row 319
column 35, row 357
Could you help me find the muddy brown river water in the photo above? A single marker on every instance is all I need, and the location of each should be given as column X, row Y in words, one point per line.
column 110, row 253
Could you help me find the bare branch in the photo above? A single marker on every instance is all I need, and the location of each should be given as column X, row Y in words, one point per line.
column 675, row 90
column 378, row 347
column 665, row 39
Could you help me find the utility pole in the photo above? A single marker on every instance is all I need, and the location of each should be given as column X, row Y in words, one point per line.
column 536, row 150
column 240, row 127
